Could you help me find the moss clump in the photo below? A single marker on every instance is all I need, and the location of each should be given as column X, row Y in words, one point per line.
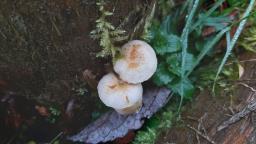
column 107, row 33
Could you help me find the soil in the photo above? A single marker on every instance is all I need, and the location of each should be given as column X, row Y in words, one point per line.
column 210, row 111
column 45, row 48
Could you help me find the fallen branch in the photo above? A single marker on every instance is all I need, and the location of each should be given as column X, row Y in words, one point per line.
column 238, row 116
column 113, row 125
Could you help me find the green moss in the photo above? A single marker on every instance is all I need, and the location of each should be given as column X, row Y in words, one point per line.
column 107, row 33
column 154, row 126
column 249, row 39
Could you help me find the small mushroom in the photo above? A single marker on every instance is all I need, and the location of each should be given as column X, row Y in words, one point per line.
column 125, row 98
column 138, row 62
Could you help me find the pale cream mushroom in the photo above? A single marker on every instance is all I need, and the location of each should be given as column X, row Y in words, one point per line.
column 123, row 97
column 138, row 62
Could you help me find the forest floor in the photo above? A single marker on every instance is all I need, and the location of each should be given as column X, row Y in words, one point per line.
column 48, row 65
column 202, row 117
column 49, row 70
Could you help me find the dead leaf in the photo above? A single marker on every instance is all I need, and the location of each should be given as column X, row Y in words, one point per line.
column 43, row 111
column 113, row 125
column 240, row 70
column 127, row 139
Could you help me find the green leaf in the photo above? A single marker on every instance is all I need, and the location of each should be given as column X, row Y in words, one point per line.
column 231, row 43
column 235, row 3
column 184, row 38
column 188, row 88
column 153, row 123
column 207, row 14
column 217, row 22
column 190, row 60
column 174, row 64
column 164, row 43
column 162, row 76
column 170, row 23
column 174, row 61
column 207, row 47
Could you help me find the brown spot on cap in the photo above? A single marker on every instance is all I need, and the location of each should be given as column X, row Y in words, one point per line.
column 127, row 100
column 112, row 86
column 133, row 65
column 134, row 56
column 118, row 86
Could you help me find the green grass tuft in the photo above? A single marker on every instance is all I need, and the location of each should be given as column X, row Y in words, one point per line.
column 231, row 42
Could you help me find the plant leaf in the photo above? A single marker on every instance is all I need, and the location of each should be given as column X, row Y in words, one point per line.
column 232, row 43
column 174, row 63
column 218, row 23
column 207, row 47
column 162, row 76
column 208, row 13
column 164, row 43
column 184, row 39
column 188, row 88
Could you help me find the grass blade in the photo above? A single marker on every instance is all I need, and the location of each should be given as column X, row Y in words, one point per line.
column 232, row 43
column 228, row 39
column 184, row 40
column 207, row 49
column 208, row 13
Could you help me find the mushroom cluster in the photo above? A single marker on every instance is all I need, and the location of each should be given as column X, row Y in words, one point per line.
column 123, row 90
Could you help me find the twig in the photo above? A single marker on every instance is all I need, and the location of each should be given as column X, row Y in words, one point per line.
column 192, row 118
column 3, row 35
column 198, row 139
column 238, row 116
column 197, row 136
column 12, row 139
column 247, row 86
column 201, row 134
column 56, row 137
column 146, row 20
column 201, row 126
column 55, row 27
column 242, row 61
column 231, row 110
column 246, row 80
column 127, row 18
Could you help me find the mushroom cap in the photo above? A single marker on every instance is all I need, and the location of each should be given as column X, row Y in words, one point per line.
column 118, row 94
column 138, row 63
column 132, row 109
